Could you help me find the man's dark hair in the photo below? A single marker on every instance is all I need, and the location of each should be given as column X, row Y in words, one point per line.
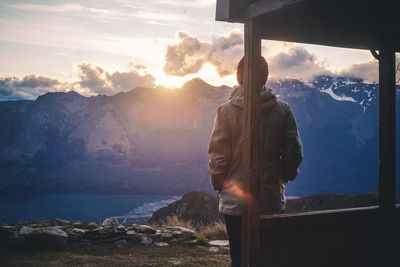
column 263, row 71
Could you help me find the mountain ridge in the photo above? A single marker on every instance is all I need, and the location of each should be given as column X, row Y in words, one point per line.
column 153, row 140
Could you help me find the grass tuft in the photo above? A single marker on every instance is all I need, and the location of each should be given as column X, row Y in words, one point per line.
column 216, row 231
column 201, row 240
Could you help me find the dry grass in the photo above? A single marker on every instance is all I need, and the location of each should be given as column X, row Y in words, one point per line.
column 216, row 231
column 175, row 221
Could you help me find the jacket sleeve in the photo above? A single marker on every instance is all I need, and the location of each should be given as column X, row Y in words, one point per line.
column 292, row 148
column 219, row 150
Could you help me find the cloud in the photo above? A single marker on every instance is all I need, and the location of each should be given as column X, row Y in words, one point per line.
column 96, row 80
column 296, row 62
column 368, row 71
column 30, row 87
column 92, row 80
column 189, row 54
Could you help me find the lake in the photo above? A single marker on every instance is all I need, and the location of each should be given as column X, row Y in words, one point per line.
column 84, row 207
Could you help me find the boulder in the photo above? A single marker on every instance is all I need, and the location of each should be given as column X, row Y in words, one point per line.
column 43, row 236
column 85, row 225
column 110, row 224
column 213, row 249
column 219, row 243
column 121, row 228
column 145, row 239
column 133, row 237
column 76, row 234
column 145, row 229
column 161, row 244
column 59, row 222
column 93, row 233
column 166, row 235
column 181, row 229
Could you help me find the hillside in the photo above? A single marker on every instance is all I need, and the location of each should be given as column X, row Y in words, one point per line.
column 201, row 207
column 154, row 140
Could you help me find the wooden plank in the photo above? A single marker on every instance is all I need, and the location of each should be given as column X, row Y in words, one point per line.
column 251, row 137
column 355, row 238
column 387, row 129
column 258, row 8
column 318, row 212
column 230, row 10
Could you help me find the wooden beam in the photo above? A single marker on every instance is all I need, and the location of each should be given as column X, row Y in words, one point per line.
column 258, row 8
column 251, row 147
column 229, row 10
column 387, row 129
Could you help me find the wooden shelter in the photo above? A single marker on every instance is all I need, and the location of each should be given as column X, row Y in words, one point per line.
column 350, row 237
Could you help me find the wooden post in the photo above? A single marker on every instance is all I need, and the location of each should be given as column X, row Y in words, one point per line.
column 251, row 147
column 387, row 130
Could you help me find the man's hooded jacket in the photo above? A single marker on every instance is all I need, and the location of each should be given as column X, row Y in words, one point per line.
column 280, row 154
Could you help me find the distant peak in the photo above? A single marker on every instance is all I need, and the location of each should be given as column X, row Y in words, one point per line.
column 69, row 96
column 196, row 82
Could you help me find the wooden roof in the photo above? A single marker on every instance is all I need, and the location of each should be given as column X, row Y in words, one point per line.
column 360, row 24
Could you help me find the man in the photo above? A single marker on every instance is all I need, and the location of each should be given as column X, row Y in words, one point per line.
column 280, row 155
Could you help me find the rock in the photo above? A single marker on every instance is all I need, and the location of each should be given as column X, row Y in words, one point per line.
column 78, row 231
column 191, row 241
column 145, row 239
column 85, row 225
column 179, row 231
column 110, row 224
column 144, row 229
column 219, row 243
column 59, row 222
column 133, row 237
column 121, row 243
column 213, row 249
column 121, row 228
column 43, row 236
column 163, row 235
column 131, row 232
column 161, row 244
column 95, row 232
column 180, row 228
column 76, row 234
column 166, row 236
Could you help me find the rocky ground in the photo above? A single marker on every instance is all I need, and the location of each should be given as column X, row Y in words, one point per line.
column 60, row 243
column 163, row 242
column 109, row 255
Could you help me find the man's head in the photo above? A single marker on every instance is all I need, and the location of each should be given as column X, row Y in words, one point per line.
column 262, row 71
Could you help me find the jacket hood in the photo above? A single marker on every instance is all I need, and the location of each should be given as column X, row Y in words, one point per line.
column 268, row 97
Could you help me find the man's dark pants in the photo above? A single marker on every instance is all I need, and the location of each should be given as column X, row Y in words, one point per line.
column 233, row 227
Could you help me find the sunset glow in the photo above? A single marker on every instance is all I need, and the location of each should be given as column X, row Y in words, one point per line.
column 150, row 43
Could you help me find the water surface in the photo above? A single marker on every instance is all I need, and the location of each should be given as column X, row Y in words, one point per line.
column 84, row 207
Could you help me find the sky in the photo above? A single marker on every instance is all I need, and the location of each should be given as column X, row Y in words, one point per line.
column 104, row 47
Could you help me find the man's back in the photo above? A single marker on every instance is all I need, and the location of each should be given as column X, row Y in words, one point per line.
column 278, row 134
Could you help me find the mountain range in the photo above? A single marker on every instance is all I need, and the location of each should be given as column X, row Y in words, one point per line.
column 154, row 140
